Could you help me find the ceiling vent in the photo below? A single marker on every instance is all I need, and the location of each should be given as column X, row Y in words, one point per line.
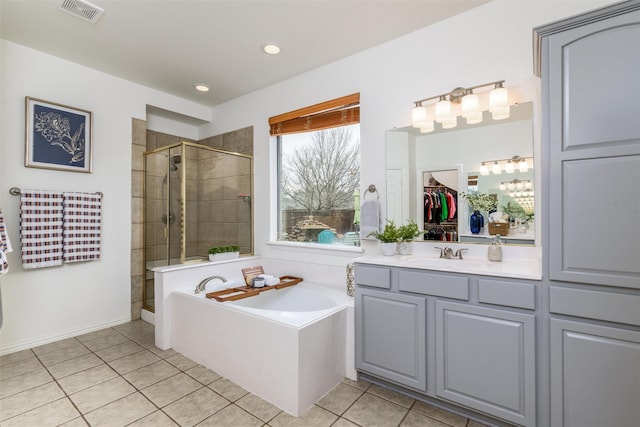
column 82, row 9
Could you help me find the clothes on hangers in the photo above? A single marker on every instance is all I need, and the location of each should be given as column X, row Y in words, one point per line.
column 439, row 205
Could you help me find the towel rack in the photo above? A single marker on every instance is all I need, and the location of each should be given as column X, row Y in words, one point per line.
column 15, row 191
column 372, row 189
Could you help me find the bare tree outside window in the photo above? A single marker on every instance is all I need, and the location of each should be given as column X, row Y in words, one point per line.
column 319, row 176
column 323, row 175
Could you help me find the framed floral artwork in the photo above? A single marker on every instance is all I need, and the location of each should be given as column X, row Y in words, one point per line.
column 57, row 136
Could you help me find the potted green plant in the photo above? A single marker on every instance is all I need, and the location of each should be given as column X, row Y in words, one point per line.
column 388, row 238
column 406, row 234
column 222, row 253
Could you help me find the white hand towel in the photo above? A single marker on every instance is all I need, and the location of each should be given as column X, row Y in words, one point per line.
column 369, row 218
column 82, row 220
column 41, row 228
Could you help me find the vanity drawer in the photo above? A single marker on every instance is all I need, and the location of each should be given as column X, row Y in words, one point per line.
column 439, row 285
column 608, row 306
column 377, row 277
column 506, row 293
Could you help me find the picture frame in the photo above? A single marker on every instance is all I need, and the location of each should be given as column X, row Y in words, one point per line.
column 57, row 136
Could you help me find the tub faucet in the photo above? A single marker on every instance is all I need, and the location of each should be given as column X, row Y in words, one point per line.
column 202, row 285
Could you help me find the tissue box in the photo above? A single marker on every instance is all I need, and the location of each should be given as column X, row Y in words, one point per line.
column 501, row 228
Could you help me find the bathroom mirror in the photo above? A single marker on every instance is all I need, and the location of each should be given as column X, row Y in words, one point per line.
column 414, row 159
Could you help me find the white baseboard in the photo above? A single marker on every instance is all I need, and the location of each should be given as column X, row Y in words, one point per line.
column 31, row 343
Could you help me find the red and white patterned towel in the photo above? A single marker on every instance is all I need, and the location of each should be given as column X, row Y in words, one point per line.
column 82, row 220
column 41, row 228
column 5, row 246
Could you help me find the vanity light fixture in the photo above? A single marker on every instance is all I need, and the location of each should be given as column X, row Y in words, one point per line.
column 523, row 166
column 496, row 169
column 445, row 113
column 499, row 102
column 509, row 165
column 470, row 109
column 516, row 184
column 443, row 109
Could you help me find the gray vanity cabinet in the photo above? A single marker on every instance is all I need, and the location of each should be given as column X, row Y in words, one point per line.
column 463, row 339
column 591, row 208
column 390, row 336
column 485, row 359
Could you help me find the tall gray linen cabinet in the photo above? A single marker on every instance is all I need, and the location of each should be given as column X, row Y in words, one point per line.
column 590, row 69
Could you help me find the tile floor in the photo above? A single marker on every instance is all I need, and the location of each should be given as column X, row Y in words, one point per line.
column 117, row 377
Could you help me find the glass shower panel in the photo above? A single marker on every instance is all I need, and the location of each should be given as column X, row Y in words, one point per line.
column 196, row 197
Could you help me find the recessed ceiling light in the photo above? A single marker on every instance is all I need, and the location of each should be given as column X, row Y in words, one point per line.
column 271, row 49
column 202, row 87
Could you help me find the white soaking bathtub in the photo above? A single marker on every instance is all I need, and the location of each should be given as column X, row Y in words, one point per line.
column 286, row 346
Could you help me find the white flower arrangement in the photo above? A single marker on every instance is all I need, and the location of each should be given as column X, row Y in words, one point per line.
column 478, row 201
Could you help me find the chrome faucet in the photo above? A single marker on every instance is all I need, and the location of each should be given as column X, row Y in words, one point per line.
column 447, row 253
column 202, row 285
column 458, row 253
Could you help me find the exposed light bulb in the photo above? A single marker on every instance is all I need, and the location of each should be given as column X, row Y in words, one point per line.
column 484, row 169
column 523, row 166
column 519, row 185
column 503, row 186
column 527, row 185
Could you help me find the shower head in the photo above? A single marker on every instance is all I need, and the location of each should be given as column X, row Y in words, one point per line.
column 174, row 161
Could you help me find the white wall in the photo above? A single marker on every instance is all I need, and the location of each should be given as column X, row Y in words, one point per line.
column 47, row 304
column 488, row 43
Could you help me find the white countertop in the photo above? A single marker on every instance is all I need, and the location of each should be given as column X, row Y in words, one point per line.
column 517, row 263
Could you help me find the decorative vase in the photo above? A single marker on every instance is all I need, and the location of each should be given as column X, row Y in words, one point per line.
column 388, row 249
column 405, row 248
column 476, row 222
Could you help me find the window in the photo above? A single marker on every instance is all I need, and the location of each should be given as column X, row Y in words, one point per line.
column 319, row 172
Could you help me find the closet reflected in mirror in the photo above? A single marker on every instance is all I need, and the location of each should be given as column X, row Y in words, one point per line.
column 440, row 208
column 449, row 159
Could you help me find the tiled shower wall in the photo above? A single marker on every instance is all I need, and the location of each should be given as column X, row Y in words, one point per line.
column 138, row 147
column 215, row 213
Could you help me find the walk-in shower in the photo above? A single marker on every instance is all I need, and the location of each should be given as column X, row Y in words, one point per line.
column 195, row 197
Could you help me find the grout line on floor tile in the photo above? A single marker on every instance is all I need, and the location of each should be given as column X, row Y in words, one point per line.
column 134, row 331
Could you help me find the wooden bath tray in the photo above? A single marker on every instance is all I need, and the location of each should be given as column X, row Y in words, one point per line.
column 241, row 292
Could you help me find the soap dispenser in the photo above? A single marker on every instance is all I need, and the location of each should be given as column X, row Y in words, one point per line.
column 495, row 249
